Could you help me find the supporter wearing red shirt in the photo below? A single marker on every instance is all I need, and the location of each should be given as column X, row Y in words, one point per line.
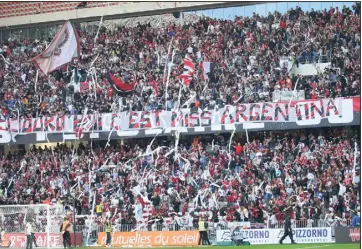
column 238, row 149
column 283, row 24
column 109, row 92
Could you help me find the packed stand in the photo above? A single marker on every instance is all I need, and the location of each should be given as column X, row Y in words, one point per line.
column 245, row 52
column 309, row 173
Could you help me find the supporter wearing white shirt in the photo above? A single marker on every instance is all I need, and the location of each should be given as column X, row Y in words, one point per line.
column 53, row 184
column 190, row 50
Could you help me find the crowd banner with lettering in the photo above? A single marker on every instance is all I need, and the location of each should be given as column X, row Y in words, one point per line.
column 336, row 110
column 272, row 236
column 18, row 240
column 348, row 235
column 284, row 95
column 159, row 238
column 255, row 116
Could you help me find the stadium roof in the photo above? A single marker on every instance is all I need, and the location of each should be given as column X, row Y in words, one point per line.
column 129, row 9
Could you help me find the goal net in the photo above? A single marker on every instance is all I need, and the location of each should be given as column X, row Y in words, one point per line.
column 46, row 218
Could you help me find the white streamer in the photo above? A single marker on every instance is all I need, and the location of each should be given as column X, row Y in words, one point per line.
column 355, row 160
column 169, row 68
column 91, row 65
column 6, row 60
column 36, row 79
column 99, row 27
column 92, row 214
column 190, row 100
column 295, row 88
column 231, row 139
column 247, row 136
column 179, row 96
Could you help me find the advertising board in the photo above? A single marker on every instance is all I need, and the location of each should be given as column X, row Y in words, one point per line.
column 254, row 236
column 348, row 235
column 18, row 240
column 272, row 236
column 157, row 238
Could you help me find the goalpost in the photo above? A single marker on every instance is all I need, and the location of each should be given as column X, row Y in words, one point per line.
column 47, row 220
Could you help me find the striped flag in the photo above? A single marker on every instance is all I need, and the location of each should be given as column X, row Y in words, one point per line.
column 189, row 69
column 189, row 66
column 185, row 79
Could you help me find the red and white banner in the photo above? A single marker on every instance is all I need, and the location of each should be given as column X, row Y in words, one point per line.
column 303, row 113
column 63, row 48
column 18, row 240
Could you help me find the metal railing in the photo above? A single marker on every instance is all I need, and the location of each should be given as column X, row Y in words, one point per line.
column 139, row 228
column 314, row 59
column 308, row 223
column 285, row 95
column 212, row 227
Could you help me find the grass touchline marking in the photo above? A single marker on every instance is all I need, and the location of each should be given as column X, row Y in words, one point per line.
column 312, row 247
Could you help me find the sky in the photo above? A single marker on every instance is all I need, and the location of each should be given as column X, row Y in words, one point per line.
column 263, row 9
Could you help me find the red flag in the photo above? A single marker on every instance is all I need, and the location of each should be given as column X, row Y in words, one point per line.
column 119, row 85
column 189, row 66
column 185, row 79
column 189, row 69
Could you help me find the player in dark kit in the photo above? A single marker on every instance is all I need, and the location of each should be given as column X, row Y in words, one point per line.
column 287, row 229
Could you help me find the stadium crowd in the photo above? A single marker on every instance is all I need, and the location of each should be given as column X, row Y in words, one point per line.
column 307, row 172
column 245, row 54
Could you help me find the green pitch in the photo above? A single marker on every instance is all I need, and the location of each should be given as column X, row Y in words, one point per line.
column 284, row 246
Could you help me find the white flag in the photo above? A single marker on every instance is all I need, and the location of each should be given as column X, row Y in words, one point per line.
column 63, row 48
column 206, row 69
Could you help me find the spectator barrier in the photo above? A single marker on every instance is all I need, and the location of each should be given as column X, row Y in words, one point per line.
column 285, row 95
column 214, row 226
column 262, row 232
